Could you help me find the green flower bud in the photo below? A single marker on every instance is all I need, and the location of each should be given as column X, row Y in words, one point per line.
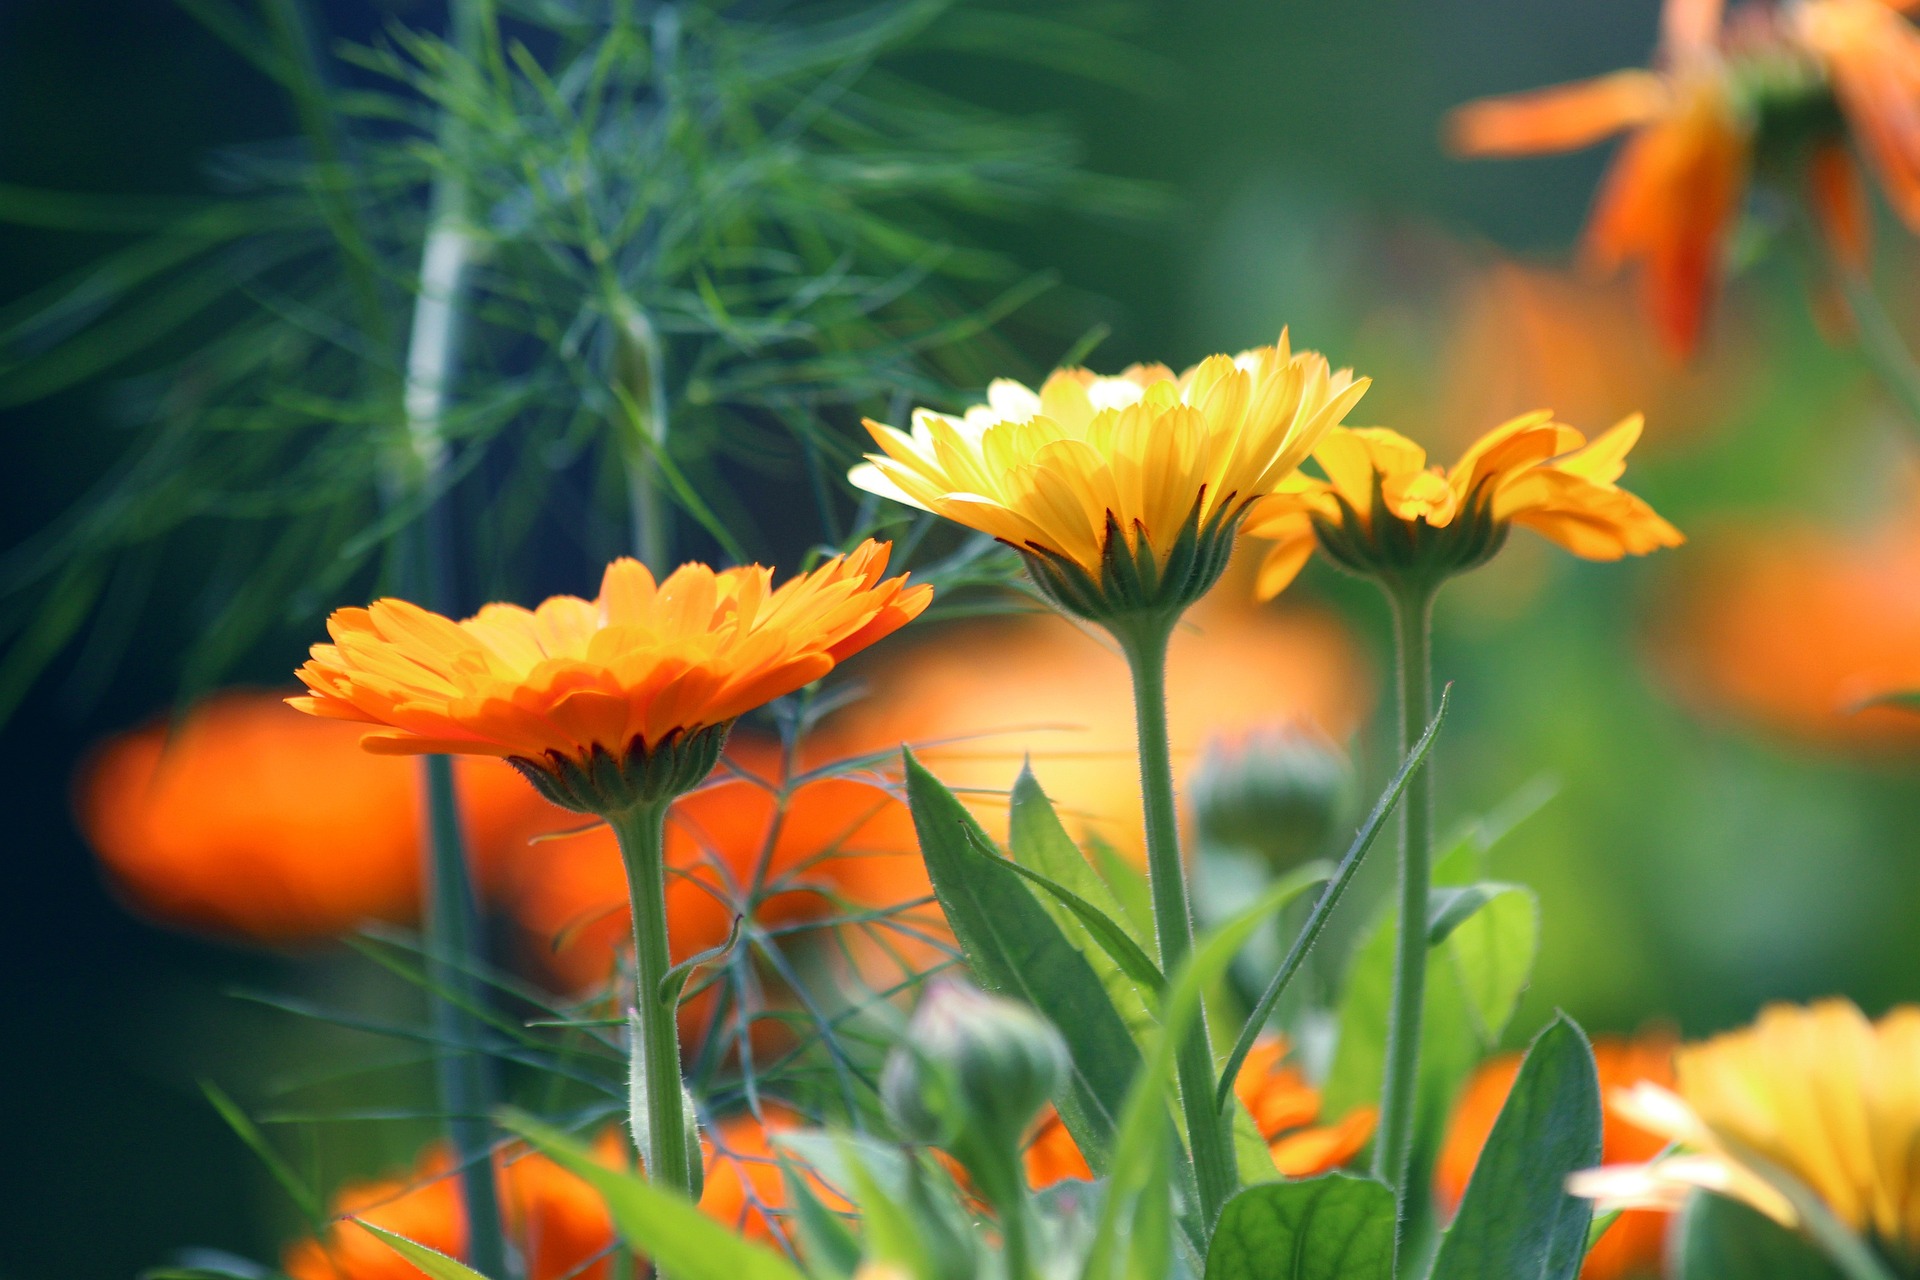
column 971, row 1072
column 1278, row 794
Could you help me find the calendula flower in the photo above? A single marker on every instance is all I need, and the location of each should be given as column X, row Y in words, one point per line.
column 1382, row 512
column 1121, row 493
column 245, row 819
column 1285, row 1108
column 1792, row 627
column 609, row 702
column 1814, row 1093
column 735, row 848
column 556, row 1223
column 1633, row 1245
column 1793, row 88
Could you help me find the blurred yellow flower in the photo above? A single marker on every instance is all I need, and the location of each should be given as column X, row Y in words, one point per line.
column 1758, row 85
column 1089, row 468
column 573, row 687
column 1382, row 511
column 1817, row 1093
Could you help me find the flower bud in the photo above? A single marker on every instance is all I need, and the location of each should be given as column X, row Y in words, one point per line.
column 973, row 1070
column 1278, row 794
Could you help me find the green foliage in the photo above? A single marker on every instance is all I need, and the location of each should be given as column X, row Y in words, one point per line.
column 1334, row 1227
column 1517, row 1218
column 689, row 248
column 435, row 1263
column 1722, row 1239
column 1015, row 949
column 680, row 1239
column 1475, row 978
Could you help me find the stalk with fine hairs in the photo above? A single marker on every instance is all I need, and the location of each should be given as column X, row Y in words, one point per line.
column 1145, row 645
column 1412, row 602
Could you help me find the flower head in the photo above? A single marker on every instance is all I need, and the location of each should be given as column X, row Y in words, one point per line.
column 1633, row 1245
column 609, row 702
column 1123, row 493
column 1792, row 89
column 1383, row 512
column 1814, row 1093
column 245, row 819
column 1284, row 1107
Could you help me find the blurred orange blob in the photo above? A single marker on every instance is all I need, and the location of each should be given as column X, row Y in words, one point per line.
column 249, row 820
column 555, row 1221
column 835, row 844
column 1632, row 1246
column 1284, row 1107
column 985, row 694
column 1792, row 628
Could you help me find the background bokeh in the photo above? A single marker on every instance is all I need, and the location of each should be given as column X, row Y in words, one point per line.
column 1715, row 836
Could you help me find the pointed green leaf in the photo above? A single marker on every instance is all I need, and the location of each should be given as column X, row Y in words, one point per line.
column 1127, row 883
column 435, row 1263
column 1015, row 949
column 1334, row 1227
column 669, row 1228
column 1517, row 1219
column 1089, row 927
column 1448, row 907
column 826, row 1241
column 1721, row 1239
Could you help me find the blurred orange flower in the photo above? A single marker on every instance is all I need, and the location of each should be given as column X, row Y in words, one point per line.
column 1284, row 1106
column 555, row 1221
column 1792, row 627
column 249, row 820
column 1053, row 695
column 1392, row 512
column 1728, row 89
column 837, row 843
column 625, row 672
column 1632, row 1246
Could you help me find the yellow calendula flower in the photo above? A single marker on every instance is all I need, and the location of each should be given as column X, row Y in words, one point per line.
column 1383, row 512
column 1817, row 1094
column 606, row 702
column 1122, row 493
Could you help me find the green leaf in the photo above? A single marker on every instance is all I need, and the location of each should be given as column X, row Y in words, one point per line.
column 669, row 1228
column 1721, row 1239
column 1449, row 907
column 1335, row 1227
column 1517, row 1219
column 826, row 1241
column 432, row 1261
column 1084, row 923
column 1015, row 949
column 1127, row 883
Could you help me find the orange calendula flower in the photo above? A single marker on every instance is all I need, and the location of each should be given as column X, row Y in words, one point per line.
column 1796, row 85
column 604, row 702
column 1121, row 493
column 1632, row 1245
column 246, row 819
column 556, row 1223
column 1792, row 627
column 1285, row 1108
column 1383, row 512
column 1814, row 1093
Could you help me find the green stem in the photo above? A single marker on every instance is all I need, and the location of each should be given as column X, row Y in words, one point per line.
column 1393, row 1149
column 1146, row 650
column 642, row 834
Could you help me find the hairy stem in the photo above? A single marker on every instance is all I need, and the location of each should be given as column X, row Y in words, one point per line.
column 1412, row 617
column 1146, row 650
column 662, row 1130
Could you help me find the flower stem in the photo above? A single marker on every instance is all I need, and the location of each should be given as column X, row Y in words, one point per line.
column 661, row 1131
column 1412, row 617
column 1146, row 650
